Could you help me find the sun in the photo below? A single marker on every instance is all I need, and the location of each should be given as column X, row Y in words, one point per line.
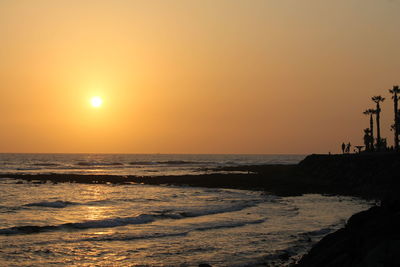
column 96, row 101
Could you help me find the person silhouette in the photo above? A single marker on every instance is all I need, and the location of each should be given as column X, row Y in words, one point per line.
column 343, row 147
column 348, row 147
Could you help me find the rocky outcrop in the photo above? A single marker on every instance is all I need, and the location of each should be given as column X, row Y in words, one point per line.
column 375, row 175
column 370, row 238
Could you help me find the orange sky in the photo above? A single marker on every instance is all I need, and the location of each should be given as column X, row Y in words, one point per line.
column 226, row 76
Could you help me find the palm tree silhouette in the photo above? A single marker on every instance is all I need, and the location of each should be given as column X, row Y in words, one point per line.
column 377, row 99
column 368, row 142
column 395, row 98
column 370, row 112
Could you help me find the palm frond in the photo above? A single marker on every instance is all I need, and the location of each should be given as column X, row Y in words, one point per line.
column 378, row 99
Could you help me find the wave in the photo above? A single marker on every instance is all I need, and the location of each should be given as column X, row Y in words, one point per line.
column 132, row 237
column 62, row 204
column 114, row 237
column 143, row 163
column 29, row 229
column 52, row 204
column 229, row 225
column 179, row 162
column 46, row 164
column 113, row 222
column 7, row 209
column 218, row 210
column 28, row 169
column 85, row 163
column 170, row 162
column 106, row 223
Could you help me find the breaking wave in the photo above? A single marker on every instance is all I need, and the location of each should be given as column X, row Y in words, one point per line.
column 117, row 221
column 227, row 225
column 52, row 204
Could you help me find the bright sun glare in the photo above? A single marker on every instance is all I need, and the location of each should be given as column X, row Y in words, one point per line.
column 96, row 101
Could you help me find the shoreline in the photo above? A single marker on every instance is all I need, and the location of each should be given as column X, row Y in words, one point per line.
column 369, row 176
column 250, row 180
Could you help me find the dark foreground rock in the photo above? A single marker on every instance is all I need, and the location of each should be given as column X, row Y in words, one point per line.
column 370, row 238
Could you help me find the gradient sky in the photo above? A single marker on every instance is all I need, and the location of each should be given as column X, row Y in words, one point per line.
column 225, row 76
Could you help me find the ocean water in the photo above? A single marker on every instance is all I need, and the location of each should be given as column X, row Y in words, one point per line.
column 132, row 164
column 68, row 224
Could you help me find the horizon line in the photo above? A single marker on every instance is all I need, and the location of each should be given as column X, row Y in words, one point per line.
column 125, row 153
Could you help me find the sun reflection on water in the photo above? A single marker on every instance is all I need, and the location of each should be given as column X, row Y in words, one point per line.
column 95, row 213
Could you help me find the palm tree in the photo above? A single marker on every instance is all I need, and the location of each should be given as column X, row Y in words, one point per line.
column 370, row 112
column 395, row 98
column 377, row 99
column 367, row 139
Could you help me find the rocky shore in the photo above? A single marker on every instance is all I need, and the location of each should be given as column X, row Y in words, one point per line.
column 374, row 176
column 370, row 238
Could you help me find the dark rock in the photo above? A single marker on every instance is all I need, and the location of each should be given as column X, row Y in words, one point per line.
column 370, row 238
column 284, row 256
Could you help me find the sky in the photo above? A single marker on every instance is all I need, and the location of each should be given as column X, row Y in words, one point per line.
column 226, row 76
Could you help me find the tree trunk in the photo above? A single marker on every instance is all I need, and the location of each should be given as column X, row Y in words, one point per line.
column 396, row 123
column 371, row 127
column 378, row 127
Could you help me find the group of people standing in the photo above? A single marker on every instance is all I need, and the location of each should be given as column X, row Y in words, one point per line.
column 346, row 148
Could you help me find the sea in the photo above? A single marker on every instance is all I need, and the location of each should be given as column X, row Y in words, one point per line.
column 71, row 224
